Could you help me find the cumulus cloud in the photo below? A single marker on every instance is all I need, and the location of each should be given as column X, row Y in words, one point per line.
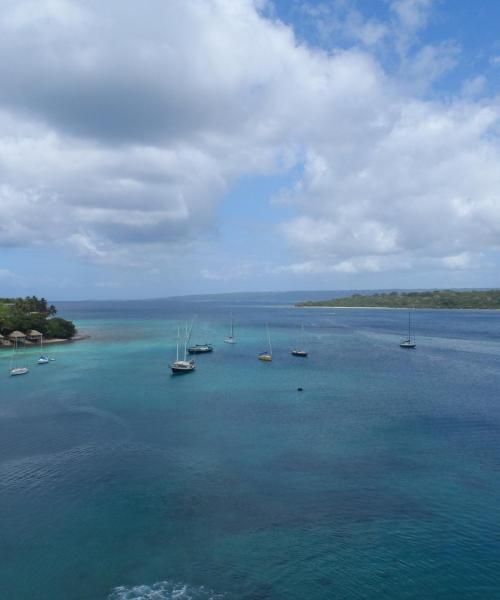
column 122, row 127
column 427, row 185
column 121, row 130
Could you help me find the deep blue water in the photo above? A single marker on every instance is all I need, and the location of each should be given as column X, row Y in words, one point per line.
column 380, row 480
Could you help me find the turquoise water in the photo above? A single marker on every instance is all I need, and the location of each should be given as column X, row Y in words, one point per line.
column 380, row 480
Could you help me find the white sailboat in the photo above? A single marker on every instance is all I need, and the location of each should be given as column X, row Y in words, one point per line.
column 44, row 359
column 299, row 351
column 184, row 365
column 230, row 339
column 267, row 356
column 16, row 370
column 408, row 343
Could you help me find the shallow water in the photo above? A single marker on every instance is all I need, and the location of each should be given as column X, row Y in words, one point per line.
column 380, row 480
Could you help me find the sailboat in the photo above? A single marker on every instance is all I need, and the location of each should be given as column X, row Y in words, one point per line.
column 185, row 365
column 267, row 355
column 298, row 351
column 43, row 360
column 16, row 370
column 199, row 348
column 408, row 343
column 230, row 338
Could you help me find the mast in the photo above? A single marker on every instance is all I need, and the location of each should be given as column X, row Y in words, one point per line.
column 409, row 332
column 269, row 340
column 178, row 338
column 186, row 342
column 232, row 325
column 13, row 355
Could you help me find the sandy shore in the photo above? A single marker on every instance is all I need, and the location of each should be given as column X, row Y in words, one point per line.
column 76, row 338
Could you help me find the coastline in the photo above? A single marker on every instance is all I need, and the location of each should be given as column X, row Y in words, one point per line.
column 76, row 338
column 398, row 307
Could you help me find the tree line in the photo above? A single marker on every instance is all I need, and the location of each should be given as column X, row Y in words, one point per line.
column 24, row 314
column 431, row 299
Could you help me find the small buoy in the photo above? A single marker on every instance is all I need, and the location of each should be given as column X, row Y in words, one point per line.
column 299, row 389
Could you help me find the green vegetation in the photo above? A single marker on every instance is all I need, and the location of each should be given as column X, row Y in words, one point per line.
column 433, row 299
column 25, row 314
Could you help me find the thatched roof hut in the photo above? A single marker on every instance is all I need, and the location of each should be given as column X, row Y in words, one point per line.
column 33, row 334
column 17, row 335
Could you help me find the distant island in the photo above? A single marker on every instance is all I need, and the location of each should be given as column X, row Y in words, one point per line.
column 26, row 320
column 489, row 299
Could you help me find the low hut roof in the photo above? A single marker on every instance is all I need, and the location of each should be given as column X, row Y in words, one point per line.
column 17, row 334
column 34, row 333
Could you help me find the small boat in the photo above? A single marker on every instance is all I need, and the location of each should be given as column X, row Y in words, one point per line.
column 182, row 366
column 297, row 351
column 200, row 349
column 44, row 359
column 408, row 343
column 267, row 355
column 16, row 370
column 230, row 339
column 19, row 371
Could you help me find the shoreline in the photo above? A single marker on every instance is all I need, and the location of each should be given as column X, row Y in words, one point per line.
column 76, row 338
column 398, row 307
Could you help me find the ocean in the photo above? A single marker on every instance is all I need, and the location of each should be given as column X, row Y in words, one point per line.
column 380, row 480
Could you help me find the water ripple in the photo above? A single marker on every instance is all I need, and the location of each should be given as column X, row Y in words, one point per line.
column 164, row 590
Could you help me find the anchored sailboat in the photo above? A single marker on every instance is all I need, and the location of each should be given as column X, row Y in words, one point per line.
column 298, row 351
column 44, row 359
column 408, row 343
column 230, row 339
column 199, row 348
column 267, row 355
column 16, row 370
column 185, row 365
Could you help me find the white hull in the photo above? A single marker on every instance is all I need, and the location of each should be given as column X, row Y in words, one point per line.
column 19, row 371
column 183, row 366
column 408, row 344
column 230, row 340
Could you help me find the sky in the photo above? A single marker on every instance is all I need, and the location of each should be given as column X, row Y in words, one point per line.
column 201, row 146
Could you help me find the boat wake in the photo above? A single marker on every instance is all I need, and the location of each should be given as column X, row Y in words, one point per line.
column 164, row 590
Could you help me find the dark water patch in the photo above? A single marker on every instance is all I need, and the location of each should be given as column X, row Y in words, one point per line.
column 371, row 466
column 25, row 436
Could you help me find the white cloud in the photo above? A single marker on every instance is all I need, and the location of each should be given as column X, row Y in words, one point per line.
column 474, row 86
column 6, row 274
column 426, row 185
column 412, row 14
column 121, row 130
